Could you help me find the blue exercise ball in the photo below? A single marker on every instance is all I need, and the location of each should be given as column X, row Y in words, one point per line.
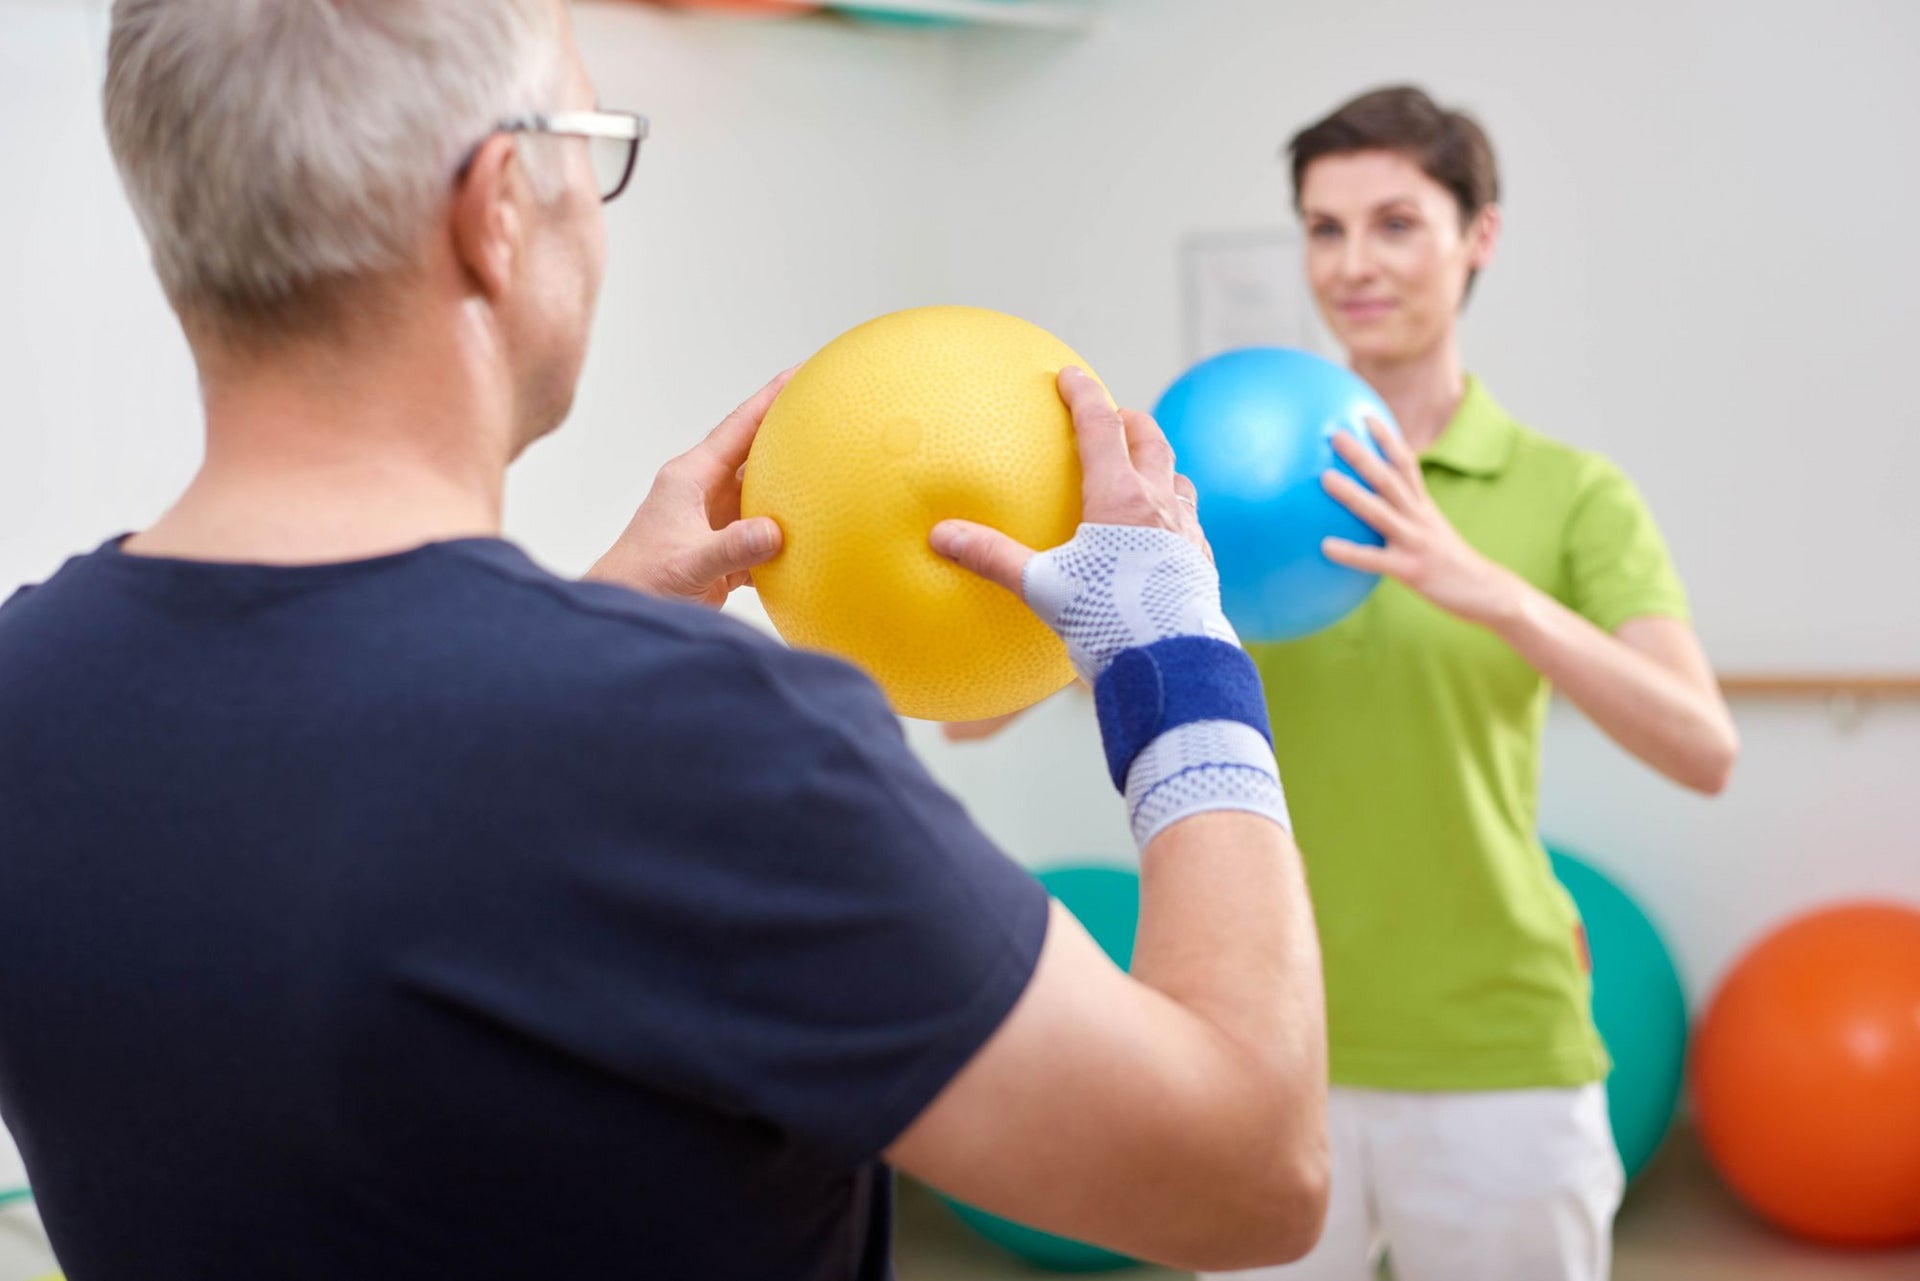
column 1253, row 429
column 1638, row 1006
column 1107, row 901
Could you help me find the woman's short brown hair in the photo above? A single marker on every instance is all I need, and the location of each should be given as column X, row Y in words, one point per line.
column 1449, row 146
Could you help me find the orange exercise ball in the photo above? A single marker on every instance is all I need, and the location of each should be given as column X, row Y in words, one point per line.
column 1806, row 1076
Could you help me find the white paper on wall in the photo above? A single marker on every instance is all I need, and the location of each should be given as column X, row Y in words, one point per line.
column 1248, row 289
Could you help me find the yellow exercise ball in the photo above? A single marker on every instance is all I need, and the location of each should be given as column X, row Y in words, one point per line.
column 905, row 421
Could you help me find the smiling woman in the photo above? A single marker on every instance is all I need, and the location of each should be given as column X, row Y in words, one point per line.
column 1517, row 565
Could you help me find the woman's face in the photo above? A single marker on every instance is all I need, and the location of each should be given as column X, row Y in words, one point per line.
column 1387, row 257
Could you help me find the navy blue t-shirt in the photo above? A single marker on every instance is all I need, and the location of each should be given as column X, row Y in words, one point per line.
column 431, row 916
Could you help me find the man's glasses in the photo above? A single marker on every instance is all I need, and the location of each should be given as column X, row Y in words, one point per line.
column 614, row 138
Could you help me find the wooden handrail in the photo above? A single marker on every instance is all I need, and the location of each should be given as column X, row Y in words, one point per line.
column 1820, row 684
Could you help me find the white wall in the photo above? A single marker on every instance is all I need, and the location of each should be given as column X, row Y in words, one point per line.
column 1705, row 275
column 100, row 423
column 1704, row 271
column 783, row 197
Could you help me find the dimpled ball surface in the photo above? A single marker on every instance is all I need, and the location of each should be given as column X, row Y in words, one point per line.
column 907, row 420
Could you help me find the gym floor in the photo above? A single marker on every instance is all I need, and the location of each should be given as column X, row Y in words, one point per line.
column 1678, row 1224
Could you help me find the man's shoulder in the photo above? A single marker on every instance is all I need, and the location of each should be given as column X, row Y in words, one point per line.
column 607, row 641
column 532, row 598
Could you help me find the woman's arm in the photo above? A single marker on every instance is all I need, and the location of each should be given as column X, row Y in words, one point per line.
column 973, row 731
column 1648, row 685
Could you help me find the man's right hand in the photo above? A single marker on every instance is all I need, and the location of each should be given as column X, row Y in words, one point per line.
column 1183, row 722
column 1127, row 476
column 1177, row 1113
column 1136, row 571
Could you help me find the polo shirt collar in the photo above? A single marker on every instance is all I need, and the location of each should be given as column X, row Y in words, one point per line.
column 1480, row 437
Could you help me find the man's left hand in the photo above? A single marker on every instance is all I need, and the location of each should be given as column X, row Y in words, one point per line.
column 687, row 541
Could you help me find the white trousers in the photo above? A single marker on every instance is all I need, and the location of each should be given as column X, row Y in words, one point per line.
column 1499, row 1185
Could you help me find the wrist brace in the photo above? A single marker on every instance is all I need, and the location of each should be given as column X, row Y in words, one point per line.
column 1182, row 715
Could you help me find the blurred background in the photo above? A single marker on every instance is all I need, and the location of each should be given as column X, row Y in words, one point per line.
column 1707, row 274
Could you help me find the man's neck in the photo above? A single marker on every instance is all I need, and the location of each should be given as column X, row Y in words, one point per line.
column 339, row 453
column 1423, row 391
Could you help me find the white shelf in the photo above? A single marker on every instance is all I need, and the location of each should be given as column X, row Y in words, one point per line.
column 1035, row 15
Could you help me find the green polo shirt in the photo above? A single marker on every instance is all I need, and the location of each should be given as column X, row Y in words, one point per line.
column 1409, row 741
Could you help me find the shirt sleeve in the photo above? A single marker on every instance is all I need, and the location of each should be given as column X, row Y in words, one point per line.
column 1617, row 563
column 764, row 904
column 896, row 936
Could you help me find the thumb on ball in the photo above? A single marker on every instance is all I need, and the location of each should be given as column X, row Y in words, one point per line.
column 987, row 552
column 740, row 546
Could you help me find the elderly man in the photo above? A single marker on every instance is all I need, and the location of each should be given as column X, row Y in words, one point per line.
column 379, row 905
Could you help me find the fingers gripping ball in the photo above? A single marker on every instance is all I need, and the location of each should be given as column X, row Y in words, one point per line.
column 1254, row 431
column 917, row 417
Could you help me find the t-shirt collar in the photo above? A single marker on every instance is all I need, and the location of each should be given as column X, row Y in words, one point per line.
column 1479, row 438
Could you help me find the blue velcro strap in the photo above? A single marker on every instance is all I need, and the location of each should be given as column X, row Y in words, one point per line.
column 1147, row 691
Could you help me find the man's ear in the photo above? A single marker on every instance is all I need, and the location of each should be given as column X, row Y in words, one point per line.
column 488, row 228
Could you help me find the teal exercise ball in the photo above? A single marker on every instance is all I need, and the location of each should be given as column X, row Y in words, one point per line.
column 1253, row 430
column 1638, row 1005
column 1107, row 901
column 1104, row 899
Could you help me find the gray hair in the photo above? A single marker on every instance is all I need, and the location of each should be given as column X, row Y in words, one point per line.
column 278, row 152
